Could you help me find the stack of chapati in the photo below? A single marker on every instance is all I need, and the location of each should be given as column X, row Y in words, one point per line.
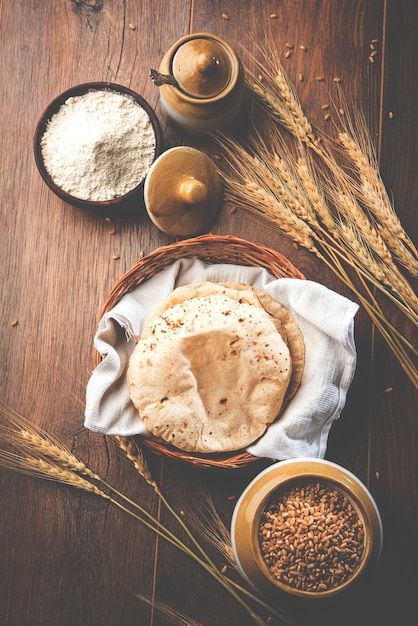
column 215, row 365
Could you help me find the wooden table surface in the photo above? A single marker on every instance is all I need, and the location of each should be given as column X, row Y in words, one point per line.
column 68, row 557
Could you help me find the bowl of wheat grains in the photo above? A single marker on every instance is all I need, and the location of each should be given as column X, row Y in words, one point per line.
column 306, row 527
column 95, row 143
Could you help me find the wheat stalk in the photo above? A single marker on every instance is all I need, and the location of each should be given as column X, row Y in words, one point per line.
column 207, row 522
column 39, row 454
column 262, row 203
column 371, row 191
column 253, row 186
column 285, row 192
column 223, row 547
column 174, row 615
column 274, row 193
column 30, row 439
column 296, row 196
column 379, row 262
column 279, row 99
column 135, row 455
column 38, row 467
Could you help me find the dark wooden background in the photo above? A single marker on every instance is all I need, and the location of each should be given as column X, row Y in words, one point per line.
column 66, row 557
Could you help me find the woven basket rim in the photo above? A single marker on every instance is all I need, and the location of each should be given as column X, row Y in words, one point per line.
column 210, row 248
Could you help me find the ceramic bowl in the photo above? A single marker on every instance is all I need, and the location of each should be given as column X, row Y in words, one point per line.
column 55, row 106
column 298, row 537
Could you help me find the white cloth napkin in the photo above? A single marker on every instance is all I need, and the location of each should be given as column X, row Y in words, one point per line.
column 326, row 320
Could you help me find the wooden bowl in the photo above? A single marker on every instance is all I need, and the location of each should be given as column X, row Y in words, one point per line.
column 54, row 106
column 306, row 554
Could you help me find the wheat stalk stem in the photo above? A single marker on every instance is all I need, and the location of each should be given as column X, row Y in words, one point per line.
column 68, row 473
column 135, row 455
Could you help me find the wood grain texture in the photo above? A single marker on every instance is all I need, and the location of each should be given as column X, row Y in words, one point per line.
column 70, row 558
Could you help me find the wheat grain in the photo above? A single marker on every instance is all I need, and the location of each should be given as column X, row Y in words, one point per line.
column 389, row 225
column 283, row 187
column 358, row 248
column 282, row 104
column 293, row 193
column 268, row 206
column 347, row 202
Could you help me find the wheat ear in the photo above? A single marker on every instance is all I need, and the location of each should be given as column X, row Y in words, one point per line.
column 380, row 264
column 373, row 194
column 30, row 439
column 209, row 525
column 247, row 183
column 136, row 456
column 40, row 468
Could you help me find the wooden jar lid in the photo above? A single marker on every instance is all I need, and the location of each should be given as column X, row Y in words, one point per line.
column 183, row 192
column 202, row 67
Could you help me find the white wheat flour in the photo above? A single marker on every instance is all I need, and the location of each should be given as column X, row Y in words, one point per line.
column 99, row 145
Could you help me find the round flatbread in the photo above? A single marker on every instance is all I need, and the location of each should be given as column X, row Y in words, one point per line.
column 235, row 291
column 285, row 324
column 210, row 373
column 288, row 328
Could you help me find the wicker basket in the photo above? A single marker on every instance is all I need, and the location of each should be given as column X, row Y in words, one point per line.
column 210, row 249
